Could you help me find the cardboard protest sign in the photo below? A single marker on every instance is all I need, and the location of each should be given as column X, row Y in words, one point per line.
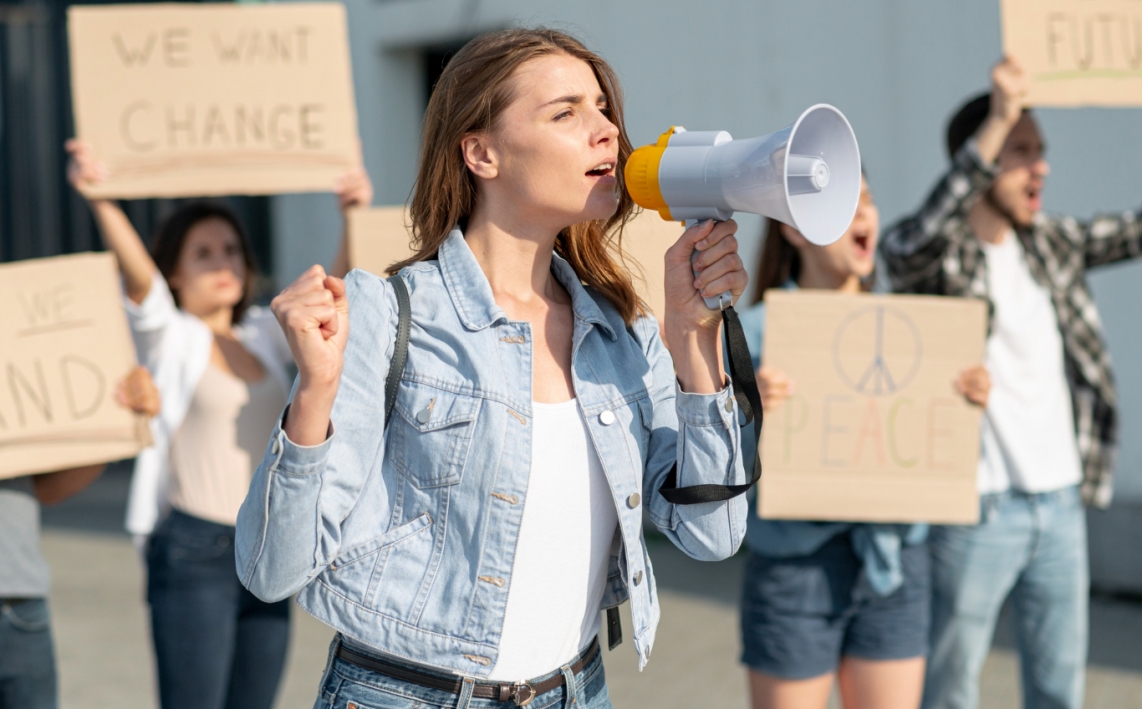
column 379, row 236
column 875, row 431
column 193, row 99
column 65, row 349
column 1078, row 52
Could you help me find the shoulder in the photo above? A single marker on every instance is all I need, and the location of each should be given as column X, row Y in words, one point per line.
column 1062, row 225
column 364, row 285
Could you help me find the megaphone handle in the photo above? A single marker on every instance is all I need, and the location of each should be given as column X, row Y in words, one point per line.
column 722, row 300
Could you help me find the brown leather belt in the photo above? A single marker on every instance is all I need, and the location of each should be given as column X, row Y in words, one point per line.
column 519, row 692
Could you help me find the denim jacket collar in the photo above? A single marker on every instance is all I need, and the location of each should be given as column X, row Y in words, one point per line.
column 472, row 294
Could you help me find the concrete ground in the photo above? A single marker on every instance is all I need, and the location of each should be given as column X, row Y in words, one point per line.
column 105, row 662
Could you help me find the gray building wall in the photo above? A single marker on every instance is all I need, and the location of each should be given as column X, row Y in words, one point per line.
column 896, row 68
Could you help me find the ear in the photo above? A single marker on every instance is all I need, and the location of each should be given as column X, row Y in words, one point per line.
column 480, row 155
column 793, row 236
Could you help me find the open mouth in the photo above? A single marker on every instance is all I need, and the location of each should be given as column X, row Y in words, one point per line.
column 1034, row 196
column 602, row 169
column 862, row 244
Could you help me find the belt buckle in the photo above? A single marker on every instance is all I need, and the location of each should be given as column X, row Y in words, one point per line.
column 518, row 688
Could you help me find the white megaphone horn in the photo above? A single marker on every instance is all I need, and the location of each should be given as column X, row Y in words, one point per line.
column 806, row 175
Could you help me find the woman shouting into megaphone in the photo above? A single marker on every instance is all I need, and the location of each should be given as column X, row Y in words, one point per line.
column 464, row 545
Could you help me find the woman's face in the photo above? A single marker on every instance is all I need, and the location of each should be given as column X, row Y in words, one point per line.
column 553, row 152
column 854, row 254
column 211, row 271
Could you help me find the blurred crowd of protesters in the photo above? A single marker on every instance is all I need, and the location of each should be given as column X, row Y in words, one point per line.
column 898, row 616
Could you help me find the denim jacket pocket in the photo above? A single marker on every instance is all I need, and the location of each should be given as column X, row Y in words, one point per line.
column 356, row 567
column 430, row 438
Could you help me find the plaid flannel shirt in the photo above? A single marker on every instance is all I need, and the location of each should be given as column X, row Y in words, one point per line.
column 935, row 252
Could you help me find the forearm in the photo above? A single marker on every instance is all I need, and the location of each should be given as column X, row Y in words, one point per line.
column 120, row 237
column 308, row 419
column 914, row 248
column 1111, row 238
column 990, row 138
column 697, row 356
column 279, row 531
column 696, row 435
column 53, row 488
column 706, row 450
column 340, row 265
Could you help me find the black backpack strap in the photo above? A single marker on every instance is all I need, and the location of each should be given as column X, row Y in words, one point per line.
column 400, row 348
column 749, row 401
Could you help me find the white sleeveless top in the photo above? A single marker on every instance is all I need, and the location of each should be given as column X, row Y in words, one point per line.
column 214, row 453
column 560, row 568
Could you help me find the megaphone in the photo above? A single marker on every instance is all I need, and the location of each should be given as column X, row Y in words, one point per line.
column 806, row 175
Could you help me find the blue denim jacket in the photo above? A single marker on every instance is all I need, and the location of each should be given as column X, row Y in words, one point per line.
column 877, row 545
column 404, row 539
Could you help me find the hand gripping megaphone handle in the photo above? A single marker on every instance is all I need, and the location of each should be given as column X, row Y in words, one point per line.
column 723, row 300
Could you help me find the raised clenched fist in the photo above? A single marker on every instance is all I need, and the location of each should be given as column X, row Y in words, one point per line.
column 1010, row 85
column 314, row 313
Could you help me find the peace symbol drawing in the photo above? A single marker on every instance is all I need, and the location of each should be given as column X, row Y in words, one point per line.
column 877, row 350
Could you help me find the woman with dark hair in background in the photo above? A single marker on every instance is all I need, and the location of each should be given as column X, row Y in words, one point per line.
column 464, row 553
column 825, row 601
column 221, row 365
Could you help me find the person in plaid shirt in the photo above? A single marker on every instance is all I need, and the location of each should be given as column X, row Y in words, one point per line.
column 1049, row 434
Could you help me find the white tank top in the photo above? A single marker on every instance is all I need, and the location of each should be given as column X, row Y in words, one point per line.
column 560, row 568
column 221, row 441
column 1028, row 433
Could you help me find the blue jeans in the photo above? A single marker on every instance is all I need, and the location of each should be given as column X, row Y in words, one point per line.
column 216, row 645
column 1033, row 548
column 27, row 657
column 349, row 686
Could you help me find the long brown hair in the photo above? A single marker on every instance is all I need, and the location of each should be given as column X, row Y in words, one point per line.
column 472, row 92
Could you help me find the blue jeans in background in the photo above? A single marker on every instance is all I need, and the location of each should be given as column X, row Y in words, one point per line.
column 27, row 656
column 216, row 645
column 1032, row 547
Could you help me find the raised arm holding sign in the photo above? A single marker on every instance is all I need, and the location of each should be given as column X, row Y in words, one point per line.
column 223, row 368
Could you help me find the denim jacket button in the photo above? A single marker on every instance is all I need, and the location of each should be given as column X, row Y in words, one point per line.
column 637, row 578
column 633, row 500
column 607, row 418
column 424, row 415
column 729, row 405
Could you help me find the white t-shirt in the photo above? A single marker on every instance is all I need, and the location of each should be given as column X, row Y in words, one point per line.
column 560, row 569
column 1028, row 434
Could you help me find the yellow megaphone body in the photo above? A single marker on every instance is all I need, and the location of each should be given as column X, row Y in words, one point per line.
column 806, row 175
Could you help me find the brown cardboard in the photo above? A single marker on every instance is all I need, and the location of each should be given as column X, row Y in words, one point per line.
column 380, row 236
column 65, row 349
column 867, row 438
column 1078, row 52
column 192, row 99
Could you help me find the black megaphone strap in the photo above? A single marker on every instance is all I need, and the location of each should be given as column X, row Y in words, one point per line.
column 749, row 401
